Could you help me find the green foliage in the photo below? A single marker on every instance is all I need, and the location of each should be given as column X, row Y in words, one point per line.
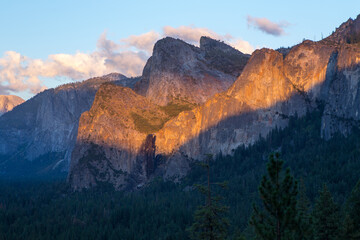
column 278, row 193
column 326, row 217
column 209, row 222
column 351, row 228
column 304, row 228
column 48, row 210
column 152, row 121
column 164, row 210
column 145, row 125
column 176, row 106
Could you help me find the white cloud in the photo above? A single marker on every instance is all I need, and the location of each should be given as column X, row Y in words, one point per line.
column 14, row 76
column 267, row 26
column 190, row 34
column 143, row 42
column 128, row 56
column 242, row 46
column 19, row 73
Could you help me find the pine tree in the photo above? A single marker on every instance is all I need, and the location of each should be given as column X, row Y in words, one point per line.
column 349, row 229
column 278, row 192
column 304, row 229
column 209, row 222
column 351, row 226
column 326, row 217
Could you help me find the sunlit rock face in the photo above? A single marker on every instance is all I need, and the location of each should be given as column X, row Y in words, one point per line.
column 181, row 71
column 115, row 142
column 260, row 99
column 8, row 102
column 263, row 97
column 272, row 87
column 42, row 131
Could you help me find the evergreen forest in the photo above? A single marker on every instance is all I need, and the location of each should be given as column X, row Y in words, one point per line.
column 316, row 182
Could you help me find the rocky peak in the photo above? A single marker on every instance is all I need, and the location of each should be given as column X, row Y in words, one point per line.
column 180, row 71
column 348, row 32
column 8, row 102
column 208, row 44
column 114, row 76
column 223, row 57
column 272, row 87
column 174, row 50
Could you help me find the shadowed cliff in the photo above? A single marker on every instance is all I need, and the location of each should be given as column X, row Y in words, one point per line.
column 37, row 137
column 271, row 88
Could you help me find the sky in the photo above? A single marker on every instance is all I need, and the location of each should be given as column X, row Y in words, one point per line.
column 44, row 43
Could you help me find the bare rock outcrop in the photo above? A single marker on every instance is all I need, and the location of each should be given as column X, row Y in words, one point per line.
column 115, row 141
column 272, row 87
column 180, row 71
column 8, row 102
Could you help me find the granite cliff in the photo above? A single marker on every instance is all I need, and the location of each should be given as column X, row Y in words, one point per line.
column 176, row 78
column 8, row 102
column 273, row 86
column 115, row 143
column 178, row 71
column 38, row 136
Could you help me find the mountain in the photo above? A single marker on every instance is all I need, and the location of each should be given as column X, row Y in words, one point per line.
column 8, row 102
column 38, row 136
column 167, row 92
column 114, row 142
column 178, row 71
column 273, row 86
column 348, row 32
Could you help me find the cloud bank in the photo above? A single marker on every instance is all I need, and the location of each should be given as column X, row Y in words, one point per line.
column 267, row 26
column 128, row 56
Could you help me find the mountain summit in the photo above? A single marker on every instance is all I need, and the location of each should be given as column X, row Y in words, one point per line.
column 178, row 71
column 348, row 32
column 8, row 102
column 271, row 88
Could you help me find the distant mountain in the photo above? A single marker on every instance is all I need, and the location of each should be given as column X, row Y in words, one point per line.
column 273, row 86
column 38, row 136
column 8, row 102
column 178, row 71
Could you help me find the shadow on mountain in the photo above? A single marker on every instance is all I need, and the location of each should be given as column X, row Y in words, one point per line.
column 38, row 136
column 239, row 123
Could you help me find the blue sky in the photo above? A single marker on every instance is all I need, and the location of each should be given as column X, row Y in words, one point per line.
column 84, row 32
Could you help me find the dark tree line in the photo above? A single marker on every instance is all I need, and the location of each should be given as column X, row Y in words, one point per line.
column 164, row 210
column 287, row 215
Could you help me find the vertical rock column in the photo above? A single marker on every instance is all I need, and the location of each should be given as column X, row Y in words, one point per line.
column 149, row 152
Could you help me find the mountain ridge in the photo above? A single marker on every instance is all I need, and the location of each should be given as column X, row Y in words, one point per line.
column 271, row 88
